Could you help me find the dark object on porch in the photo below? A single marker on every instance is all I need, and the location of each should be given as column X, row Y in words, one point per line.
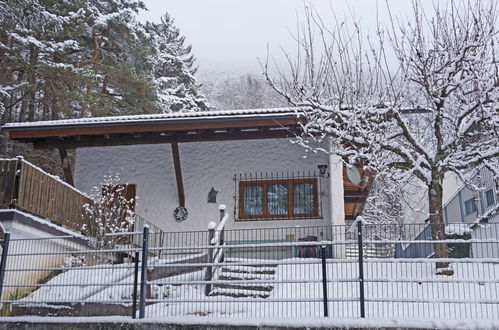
column 422, row 248
column 307, row 251
column 328, row 252
column 459, row 250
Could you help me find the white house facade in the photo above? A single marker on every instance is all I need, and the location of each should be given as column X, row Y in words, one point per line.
column 182, row 166
column 229, row 167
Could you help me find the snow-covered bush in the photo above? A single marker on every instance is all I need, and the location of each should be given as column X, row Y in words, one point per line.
column 109, row 212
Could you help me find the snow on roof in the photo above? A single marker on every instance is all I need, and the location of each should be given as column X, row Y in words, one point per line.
column 219, row 114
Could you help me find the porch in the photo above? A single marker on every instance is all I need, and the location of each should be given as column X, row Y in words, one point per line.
column 174, row 168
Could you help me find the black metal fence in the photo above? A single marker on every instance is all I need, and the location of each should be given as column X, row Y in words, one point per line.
column 335, row 271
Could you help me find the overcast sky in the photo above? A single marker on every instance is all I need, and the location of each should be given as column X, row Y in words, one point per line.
column 229, row 35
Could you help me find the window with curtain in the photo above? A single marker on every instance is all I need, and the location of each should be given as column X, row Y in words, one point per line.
column 278, row 199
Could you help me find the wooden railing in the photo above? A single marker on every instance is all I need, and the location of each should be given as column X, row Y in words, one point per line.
column 26, row 187
column 216, row 238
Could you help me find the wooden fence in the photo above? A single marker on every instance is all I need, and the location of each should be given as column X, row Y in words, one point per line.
column 24, row 186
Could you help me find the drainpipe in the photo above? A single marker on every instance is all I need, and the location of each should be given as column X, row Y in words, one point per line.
column 336, row 200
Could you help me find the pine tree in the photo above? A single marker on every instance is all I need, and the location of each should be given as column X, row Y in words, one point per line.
column 70, row 59
column 172, row 66
column 246, row 91
column 67, row 59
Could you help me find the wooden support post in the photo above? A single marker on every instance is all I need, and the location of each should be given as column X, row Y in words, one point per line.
column 66, row 166
column 178, row 174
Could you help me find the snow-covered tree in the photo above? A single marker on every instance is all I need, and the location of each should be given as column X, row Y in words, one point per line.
column 66, row 59
column 171, row 64
column 58, row 57
column 246, row 91
column 420, row 101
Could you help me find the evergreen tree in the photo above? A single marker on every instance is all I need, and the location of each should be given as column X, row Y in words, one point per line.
column 77, row 58
column 171, row 64
column 67, row 59
column 246, row 91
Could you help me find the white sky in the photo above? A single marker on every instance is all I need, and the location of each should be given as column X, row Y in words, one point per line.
column 228, row 35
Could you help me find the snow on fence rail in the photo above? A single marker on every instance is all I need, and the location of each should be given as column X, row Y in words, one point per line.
column 264, row 273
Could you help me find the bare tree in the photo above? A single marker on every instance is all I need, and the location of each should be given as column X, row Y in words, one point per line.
column 421, row 100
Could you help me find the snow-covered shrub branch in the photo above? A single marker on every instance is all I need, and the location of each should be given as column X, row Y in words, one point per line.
column 109, row 212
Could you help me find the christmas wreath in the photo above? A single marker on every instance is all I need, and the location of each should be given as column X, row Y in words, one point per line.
column 180, row 213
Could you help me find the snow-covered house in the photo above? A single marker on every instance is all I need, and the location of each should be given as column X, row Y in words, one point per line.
column 181, row 166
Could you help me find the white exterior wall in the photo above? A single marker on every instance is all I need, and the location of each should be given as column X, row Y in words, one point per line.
column 414, row 202
column 451, row 186
column 204, row 165
column 486, row 232
column 415, row 198
column 19, row 230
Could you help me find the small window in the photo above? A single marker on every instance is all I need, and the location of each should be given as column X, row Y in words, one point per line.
column 469, row 206
column 489, row 196
column 277, row 199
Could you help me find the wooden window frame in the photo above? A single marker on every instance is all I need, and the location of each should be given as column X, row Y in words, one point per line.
column 290, row 185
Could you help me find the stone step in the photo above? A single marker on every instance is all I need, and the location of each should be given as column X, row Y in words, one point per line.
column 257, row 263
column 239, row 293
column 249, row 286
column 248, row 270
column 244, row 276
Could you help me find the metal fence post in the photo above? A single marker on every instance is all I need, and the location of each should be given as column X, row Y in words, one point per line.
column 135, row 285
column 361, row 269
column 3, row 262
column 142, row 302
column 324, row 280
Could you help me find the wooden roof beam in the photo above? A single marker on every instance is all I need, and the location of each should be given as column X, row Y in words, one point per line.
column 178, row 174
column 66, row 166
column 83, row 141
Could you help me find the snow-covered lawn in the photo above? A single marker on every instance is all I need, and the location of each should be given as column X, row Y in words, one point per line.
column 392, row 289
column 84, row 284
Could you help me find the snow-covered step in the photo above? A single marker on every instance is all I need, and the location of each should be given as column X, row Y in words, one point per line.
column 244, row 276
column 247, row 286
column 246, row 269
column 239, row 293
column 256, row 276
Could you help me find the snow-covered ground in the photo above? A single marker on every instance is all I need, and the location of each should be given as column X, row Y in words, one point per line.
column 84, row 284
column 407, row 289
column 288, row 323
column 399, row 289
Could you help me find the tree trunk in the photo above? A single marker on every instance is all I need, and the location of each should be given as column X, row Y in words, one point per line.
column 435, row 194
column 32, row 86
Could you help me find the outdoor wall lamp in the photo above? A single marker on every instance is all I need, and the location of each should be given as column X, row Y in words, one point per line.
column 322, row 169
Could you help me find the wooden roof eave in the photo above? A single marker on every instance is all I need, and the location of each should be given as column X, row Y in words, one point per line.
column 35, row 131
